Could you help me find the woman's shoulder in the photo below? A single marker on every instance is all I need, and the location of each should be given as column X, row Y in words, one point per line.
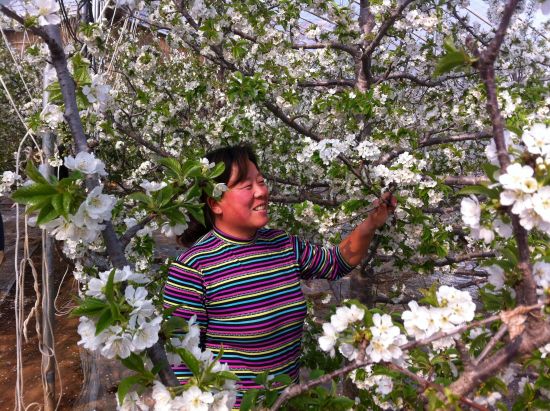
column 199, row 247
column 272, row 234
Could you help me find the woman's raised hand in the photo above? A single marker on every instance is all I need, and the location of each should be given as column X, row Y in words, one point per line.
column 383, row 208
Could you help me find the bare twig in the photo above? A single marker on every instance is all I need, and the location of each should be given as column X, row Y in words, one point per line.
column 491, row 344
column 132, row 231
column 428, row 384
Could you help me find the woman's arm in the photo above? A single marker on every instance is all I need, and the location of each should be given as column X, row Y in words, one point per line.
column 354, row 247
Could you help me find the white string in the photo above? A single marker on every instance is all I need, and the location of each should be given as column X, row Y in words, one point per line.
column 19, row 305
column 8, row 46
column 63, row 310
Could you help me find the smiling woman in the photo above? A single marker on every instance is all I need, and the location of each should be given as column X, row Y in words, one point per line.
column 242, row 281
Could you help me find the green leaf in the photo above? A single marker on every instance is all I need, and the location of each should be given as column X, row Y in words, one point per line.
column 57, row 203
column 262, row 378
column 490, row 171
column 452, row 59
column 217, row 170
column 227, row 375
column 479, row 189
column 89, row 307
column 67, row 200
column 33, row 193
column 189, row 359
column 283, row 379
column 134, row 362
column 196, row 211
column 173, row 165
column 34, row 174
column 163, row 196
column 174, row 324
column 109, row 287
column 125, row 385
column 105, row 320
column 249, row 399
column 47, row 213
column 141, row 198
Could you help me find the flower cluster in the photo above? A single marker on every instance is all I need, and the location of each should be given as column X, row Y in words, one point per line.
column 86, row 224
column 470, row 210
column 528, row 200
column 454, row 308
column 8, row 179
column 97, row 93
column 339, row 322
column 386, row 339
column 384, row 344
column 192, row 399
column 86, row 163
column 121, row 339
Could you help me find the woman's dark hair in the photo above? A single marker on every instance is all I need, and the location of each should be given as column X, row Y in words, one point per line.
column 238, row 155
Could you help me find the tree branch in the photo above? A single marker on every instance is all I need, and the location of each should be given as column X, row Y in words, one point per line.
column 298, row 389
column 465, row 180
column 327, row 83
column 132, row 231
column 384, row 29
column 526, row 290
column 417, row 80
column 329, row 44
column 480, row 135
column 52, row 37
column 428, row 384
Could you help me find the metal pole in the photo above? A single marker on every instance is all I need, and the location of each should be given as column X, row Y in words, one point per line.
column 48, row 292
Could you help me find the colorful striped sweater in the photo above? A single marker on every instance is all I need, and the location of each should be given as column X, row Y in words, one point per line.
column 247, row 297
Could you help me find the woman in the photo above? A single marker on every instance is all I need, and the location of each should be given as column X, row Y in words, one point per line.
column 242, row 281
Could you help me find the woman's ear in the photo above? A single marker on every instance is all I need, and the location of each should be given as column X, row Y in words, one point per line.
column 214, row 206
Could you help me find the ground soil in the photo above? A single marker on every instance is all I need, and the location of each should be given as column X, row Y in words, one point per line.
column 67, row 351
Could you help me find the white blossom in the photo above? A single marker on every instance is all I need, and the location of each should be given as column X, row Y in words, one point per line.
column 87, row 331
column 45, row 10
column 537, row 139
column 170, row 230
column 118, row 343
column 328, row 339
column 496, row 276
column 218, row 190
column 151, row 186
column 86, row 163
column 471, row 211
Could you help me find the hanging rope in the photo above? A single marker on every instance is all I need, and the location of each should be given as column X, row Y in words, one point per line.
column 21, row 325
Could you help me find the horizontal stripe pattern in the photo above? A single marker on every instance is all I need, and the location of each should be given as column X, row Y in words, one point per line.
column 247, row 298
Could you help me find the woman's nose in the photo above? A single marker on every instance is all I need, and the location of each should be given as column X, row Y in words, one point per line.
column 261, row 191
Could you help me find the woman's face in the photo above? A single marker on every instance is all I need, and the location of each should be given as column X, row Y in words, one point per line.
column 242, row 210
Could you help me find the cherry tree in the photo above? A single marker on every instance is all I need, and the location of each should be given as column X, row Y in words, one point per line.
column 342, row 103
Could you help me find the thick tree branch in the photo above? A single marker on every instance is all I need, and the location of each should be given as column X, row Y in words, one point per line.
column 52, row 37
column 298, row 389
column 526, row 290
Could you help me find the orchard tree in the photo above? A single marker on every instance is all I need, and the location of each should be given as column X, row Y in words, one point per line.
column 342, row 103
